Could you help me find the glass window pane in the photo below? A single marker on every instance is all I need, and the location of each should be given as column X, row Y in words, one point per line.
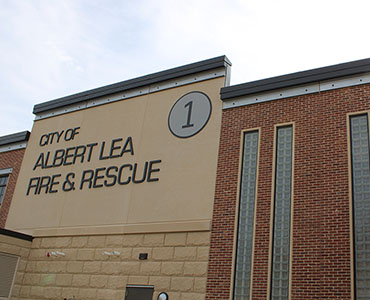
column 361, row 201
column 281, row 237
column 3, row 181
column 246, row 217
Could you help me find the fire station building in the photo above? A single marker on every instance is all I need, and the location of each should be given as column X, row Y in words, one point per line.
column 176, row 185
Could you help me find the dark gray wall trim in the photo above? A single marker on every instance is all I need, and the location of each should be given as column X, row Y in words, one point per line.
column 304, row 77
column 205, row 65
column 14, row 138
column 16, row 235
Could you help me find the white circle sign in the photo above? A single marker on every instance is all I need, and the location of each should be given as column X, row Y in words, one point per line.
column 189, row 114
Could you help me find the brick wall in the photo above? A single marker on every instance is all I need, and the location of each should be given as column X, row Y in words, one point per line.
column 321, row 262
column 177, row 264
column 10, row 159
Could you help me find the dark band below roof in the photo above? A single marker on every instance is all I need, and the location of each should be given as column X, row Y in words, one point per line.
column 14, row 138
column 304, row 77
column 16, row 234
column 205, row 65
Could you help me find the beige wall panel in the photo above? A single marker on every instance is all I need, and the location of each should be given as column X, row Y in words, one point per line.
column 185, row 189
column 188, row 172
column 85, row 207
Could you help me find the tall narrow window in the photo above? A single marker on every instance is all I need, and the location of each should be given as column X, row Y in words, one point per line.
column 244, row 249
column 3, row 182
column 361, row 203
column 282, row 211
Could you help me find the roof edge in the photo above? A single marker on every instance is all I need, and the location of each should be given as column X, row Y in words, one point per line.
column 15, row 234
column 298, row 78
column 22, row 136
column 205, row 65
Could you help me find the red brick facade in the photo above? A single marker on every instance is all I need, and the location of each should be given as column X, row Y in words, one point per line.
column 321, row 255
column 10, row 159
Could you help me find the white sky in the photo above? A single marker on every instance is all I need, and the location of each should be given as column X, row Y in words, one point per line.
column 54, row 48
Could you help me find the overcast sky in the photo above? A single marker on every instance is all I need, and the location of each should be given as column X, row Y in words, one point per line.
column 54, row 48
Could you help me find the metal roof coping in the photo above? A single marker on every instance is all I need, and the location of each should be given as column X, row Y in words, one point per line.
column 22, row 136
column 294, row 79
column 205, row 65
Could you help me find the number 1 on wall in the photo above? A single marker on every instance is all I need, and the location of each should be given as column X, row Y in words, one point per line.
column 190, row 107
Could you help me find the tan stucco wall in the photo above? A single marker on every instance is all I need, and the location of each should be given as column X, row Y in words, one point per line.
column 182, row 198
column 20, row 248
column 177, row 264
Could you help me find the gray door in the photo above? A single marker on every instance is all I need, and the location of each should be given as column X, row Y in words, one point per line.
column 139, row 292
